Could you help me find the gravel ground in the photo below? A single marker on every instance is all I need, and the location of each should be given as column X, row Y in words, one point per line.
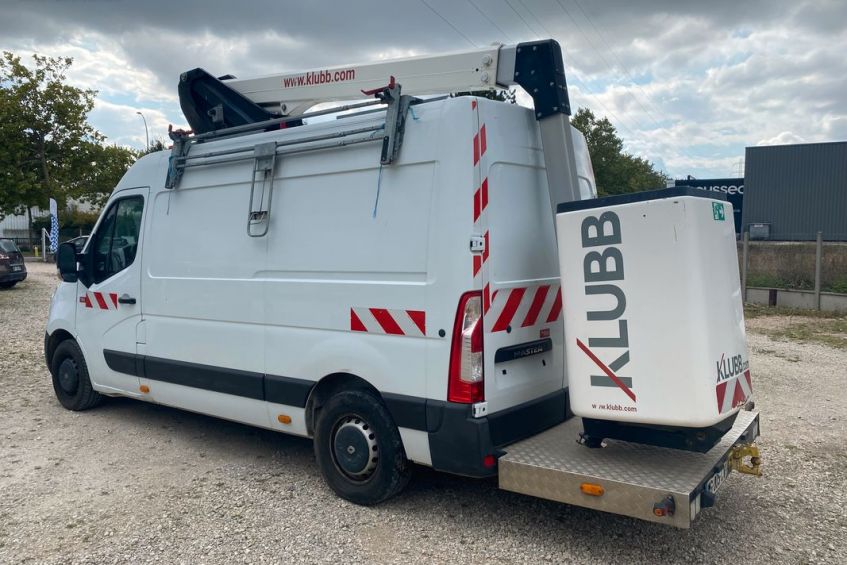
column 139, row 483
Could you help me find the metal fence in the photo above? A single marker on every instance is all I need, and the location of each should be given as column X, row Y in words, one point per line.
column 27, row 246
column 795, row 274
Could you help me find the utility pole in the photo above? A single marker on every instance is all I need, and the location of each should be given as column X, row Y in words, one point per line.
column 146, row 133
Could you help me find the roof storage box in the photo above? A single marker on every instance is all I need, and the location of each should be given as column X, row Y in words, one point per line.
column 654, row 326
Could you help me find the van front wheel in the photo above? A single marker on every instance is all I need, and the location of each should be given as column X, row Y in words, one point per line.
column 70, row 378
column 359, row 449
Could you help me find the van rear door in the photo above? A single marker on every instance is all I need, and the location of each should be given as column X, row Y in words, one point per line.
column 517, row 271
column 523, row 340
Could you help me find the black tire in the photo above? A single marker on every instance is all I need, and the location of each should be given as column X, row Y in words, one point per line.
column 70, row 378
column 349, row 425
column 9, row 284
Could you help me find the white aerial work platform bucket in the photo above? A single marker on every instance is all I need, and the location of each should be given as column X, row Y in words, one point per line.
column 656, row 350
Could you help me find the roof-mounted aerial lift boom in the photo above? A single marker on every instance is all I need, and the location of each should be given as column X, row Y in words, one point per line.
column 226, row 106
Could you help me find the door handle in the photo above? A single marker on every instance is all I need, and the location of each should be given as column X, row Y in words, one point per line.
column 126, row 299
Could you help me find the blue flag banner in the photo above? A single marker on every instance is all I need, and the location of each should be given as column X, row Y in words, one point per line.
column 54, row 226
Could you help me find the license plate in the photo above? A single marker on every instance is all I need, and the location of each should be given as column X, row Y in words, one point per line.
column 716, row 481
column 16, row 268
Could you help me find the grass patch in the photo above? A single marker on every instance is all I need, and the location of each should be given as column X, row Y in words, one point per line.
column 832, row 332
column 807, row 326
column 763, row 280
column 838, row 286
column 759, row 311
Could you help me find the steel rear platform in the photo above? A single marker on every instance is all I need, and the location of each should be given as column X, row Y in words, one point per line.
column 634, row 477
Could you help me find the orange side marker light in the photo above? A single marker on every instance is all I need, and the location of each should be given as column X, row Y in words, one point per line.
column 592, row 489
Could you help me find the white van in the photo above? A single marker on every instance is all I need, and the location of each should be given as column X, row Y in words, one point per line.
column 394, row 303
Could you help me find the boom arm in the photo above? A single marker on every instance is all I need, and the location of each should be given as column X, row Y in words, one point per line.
column 537, row 66
column 292, row 94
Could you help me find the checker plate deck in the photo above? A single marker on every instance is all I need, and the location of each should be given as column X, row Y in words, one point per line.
column 552, row 465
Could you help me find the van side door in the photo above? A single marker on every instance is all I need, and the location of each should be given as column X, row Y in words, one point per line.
column 204, row 300
column 109, row 308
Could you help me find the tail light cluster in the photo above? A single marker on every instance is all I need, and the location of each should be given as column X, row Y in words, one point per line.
column 466, row 382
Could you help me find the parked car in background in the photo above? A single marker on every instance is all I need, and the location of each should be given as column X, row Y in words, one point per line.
column 12, row 267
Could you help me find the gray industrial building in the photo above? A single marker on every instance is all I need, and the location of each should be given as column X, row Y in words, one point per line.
column 793, row 191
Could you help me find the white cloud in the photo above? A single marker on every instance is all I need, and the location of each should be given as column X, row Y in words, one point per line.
column 122, row 126
column 782, row 138
column 713, row 77
column 101, row 64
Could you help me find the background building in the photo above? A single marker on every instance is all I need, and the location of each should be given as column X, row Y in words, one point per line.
column 793, row 191
column 15, row 227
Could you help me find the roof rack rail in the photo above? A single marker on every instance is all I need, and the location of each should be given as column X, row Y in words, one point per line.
column 218, row 108
column 397, row 107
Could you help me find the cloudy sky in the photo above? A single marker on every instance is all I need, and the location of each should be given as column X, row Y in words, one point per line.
column 688, row 84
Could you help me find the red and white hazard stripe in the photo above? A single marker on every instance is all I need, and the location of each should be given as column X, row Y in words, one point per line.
column 522, row 307
column 479, row 261
column 734, row 392
column 100, row 300
column 390, row 322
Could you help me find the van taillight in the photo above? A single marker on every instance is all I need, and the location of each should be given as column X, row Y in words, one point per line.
column 466, row 382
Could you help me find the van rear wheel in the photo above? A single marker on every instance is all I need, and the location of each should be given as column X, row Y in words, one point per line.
column 359, row 449
column 70, row 378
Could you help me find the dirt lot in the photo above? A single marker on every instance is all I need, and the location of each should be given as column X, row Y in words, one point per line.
column 133, row 482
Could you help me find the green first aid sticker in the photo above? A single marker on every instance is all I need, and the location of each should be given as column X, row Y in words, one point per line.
column 717, row 211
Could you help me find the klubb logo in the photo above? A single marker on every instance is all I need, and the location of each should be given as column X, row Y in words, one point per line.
column 603, row 272
column 729, row 367
column 318, row 77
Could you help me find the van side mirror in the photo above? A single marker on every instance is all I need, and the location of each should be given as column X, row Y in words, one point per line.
column 66, row 262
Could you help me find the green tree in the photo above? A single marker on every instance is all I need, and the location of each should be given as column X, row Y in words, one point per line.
column 102, row 167
column 74, row 222
column 47, row 147
column 499, row 95
column 158, row 144
column 616, row 171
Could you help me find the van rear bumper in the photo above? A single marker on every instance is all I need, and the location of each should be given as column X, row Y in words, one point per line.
column 458, row 442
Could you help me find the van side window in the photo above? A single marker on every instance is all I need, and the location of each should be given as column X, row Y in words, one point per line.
column 116, row 241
